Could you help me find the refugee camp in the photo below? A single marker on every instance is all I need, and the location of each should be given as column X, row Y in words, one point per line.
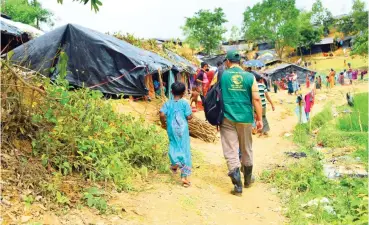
column 182, row 112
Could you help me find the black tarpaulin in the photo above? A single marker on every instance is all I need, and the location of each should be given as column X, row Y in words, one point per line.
column 282, row 70
column 96, row 60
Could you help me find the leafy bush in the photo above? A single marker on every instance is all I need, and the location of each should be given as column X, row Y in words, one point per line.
column 304, row 181
column 94, row 199
column 79, row 131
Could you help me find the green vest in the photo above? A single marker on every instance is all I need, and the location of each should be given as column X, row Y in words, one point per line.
column 236, row 85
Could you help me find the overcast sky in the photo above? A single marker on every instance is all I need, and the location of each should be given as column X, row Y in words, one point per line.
column 159, row 18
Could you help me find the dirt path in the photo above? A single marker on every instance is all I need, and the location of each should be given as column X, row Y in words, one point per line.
column 208, row 201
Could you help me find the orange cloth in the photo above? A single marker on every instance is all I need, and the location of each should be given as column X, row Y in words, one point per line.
column 331, row 78
column 150, row 85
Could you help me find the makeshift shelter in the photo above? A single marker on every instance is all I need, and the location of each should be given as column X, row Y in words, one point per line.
column 346, row 42
column 14, row 34
column 282, row 70
column 96, row 60
column 212, row 60
column 264, row 45
column 268, row 57
column 325, row 45
column 184, row 67
column 238, row 47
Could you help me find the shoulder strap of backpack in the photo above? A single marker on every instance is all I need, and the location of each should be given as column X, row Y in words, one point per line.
column 220, row 76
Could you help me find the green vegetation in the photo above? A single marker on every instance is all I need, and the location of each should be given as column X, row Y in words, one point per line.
column 206, row 29
column 272, row 20
column 309, row 34
column 358, row 119
column 321, row 16
column 77, row 134
column 95, row 4
column 83, row 134
column 310, row 196
column 152, row 46
column 28, row 12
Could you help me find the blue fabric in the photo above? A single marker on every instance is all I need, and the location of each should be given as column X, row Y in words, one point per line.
column 290, row 87
column 176, row 113
column 295, row 86
column 156, row 85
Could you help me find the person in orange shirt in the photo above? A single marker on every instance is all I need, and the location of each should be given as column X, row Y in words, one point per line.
column 331, row 78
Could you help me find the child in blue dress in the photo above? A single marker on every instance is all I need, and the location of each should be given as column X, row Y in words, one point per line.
column 174, row 115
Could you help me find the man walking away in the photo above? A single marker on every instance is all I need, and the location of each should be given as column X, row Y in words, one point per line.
column 240, row 93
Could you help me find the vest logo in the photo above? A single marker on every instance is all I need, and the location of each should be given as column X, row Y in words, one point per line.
column 237, row 79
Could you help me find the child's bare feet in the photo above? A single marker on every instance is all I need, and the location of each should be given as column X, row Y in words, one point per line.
column 185, row 182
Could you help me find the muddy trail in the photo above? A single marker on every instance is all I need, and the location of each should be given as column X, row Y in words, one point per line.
column 208, row 200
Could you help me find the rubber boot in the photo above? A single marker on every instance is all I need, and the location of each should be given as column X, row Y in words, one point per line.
column 247, row 173
column 235, row 176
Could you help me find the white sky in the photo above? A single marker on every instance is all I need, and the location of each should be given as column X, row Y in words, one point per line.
column 159, row 18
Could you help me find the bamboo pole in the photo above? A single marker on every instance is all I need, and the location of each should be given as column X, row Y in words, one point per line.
column 162, row 94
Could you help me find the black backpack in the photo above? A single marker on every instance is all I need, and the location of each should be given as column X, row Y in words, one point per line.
column 213, row 104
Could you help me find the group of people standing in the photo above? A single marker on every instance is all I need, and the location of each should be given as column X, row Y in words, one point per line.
column 334, row 78
column 244, row 105
column 292, row 83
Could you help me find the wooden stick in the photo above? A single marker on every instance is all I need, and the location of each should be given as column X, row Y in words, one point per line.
column 361, row 127
column 23, row 81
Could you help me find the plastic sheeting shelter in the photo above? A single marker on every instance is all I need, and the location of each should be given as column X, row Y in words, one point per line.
column 14, row 34
column 213, row 60
column 325, row 45
column 282, row 70
column 268, row 57
column 96, row 60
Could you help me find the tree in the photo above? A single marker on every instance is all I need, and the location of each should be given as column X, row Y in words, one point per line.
column 235, row 34
column 321, row 16
column 205, row 29
column 308, row 34
column 273, row 20
column 361, row 44
column 359, row 15
column 95, row 4
column 346, row 25
column 26, row 12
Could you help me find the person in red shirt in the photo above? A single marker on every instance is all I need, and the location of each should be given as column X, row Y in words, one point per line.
column 202, row 81
column 210, row 75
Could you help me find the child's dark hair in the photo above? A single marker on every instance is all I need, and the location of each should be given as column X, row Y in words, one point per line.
column 258, row 78
column 299, row 99
column 178, row 88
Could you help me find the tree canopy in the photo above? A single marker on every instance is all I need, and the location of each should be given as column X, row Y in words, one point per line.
column 273, row 20
column 308, row 34
column 321, row 16
column 205, row 28
column 28, row 12
column 235, row 34
column 95, row 4
column 359, row 15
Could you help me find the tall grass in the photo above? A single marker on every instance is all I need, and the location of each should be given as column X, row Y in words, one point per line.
column 358, row 117
column 304, row 180
column 302, row 132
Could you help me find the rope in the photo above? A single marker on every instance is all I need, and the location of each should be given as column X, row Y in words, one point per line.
column 116, row 78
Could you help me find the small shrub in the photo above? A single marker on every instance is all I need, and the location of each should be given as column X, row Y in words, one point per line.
column 79, row 131
column 94, row 199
